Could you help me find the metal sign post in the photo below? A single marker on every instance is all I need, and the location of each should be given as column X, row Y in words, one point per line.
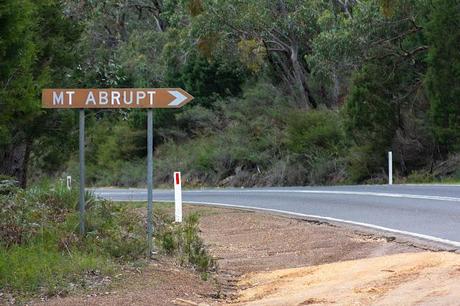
column 150, row 181
column 82, row 171
column 116, row 98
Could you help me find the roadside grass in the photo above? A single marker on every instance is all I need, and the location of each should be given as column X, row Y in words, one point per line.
column 183, row 241
column 45, row 270
column 43, row 255
column 425, row 177
column 180, row 240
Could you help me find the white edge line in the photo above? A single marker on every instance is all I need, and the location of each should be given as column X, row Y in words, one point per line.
column 377, row 227
column 422, row 236
column 386, row 229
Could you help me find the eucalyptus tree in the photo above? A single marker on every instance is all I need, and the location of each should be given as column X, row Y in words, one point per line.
column 265, row 33
column 380, row 54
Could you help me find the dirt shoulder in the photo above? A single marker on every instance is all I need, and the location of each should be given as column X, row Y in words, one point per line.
column 403, row 279
column 162, row 282
column 247, row 242
column 274, row 260
column 284, row 261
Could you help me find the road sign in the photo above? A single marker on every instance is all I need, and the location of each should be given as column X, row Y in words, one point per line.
column 146, row 98
column 115, row 98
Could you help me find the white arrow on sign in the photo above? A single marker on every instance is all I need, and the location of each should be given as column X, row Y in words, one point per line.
column 179, row 98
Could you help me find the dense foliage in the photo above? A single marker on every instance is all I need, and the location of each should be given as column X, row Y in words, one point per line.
column 288, row 92
column 443, row 76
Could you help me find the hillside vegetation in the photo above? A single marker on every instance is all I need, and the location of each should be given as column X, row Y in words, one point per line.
column 287, row 92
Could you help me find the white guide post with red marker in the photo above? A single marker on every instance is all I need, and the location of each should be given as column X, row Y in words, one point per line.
column 178, row 196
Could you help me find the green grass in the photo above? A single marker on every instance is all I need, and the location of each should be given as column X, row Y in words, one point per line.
column 41, row 251
column 46, row 270
column 180, row 240
column 156, row 205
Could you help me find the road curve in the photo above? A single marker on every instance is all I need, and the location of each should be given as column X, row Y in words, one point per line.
column 429, row 212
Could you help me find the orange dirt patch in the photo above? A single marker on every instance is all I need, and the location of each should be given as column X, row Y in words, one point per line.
column 404, row 279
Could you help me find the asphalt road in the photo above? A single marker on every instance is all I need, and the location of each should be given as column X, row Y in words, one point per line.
column 427, row 212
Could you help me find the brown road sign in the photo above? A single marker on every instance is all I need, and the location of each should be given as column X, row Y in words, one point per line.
column 115, row 98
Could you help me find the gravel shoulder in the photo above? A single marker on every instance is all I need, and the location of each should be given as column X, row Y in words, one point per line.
column 266, row 259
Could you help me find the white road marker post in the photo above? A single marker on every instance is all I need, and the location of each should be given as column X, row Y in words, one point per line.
column 178, row 197
column 69, row 182
column 390, row 168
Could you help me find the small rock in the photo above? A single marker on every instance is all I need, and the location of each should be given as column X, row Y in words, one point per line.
column 184, row 302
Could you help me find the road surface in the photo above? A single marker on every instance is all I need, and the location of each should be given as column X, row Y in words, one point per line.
column 427, row 212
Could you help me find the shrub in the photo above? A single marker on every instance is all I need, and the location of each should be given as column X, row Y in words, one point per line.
column 419, row 177
column 183, row 241
column 114, row 230
column 315, row 133
column 362, row 162
column 41, row 250
column 317, row 140
column 24, row 214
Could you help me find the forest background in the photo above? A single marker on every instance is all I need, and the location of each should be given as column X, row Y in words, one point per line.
column 287, row 92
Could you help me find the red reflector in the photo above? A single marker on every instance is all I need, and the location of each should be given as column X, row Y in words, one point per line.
column 177, row 178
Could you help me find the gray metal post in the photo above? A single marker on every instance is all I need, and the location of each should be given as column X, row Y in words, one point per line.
column 149, row 181
column 82, row 171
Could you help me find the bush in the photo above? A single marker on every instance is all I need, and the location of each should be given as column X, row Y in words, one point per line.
column 420, row 177
column 24, row 214
column 315, row 133
column 115, row 231
column 363, row 163
column 41, row 250
column 317, row 140
column 183, row 241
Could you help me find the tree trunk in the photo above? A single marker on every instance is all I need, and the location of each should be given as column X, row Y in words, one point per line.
column 300, row 80
column 15, row 158
column 336, row 88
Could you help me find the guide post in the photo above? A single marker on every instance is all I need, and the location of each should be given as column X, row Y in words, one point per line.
column 178, row 197
column 390, row 168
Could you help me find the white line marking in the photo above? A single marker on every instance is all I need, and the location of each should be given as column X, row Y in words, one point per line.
column 381, row 228
column 422, row 236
